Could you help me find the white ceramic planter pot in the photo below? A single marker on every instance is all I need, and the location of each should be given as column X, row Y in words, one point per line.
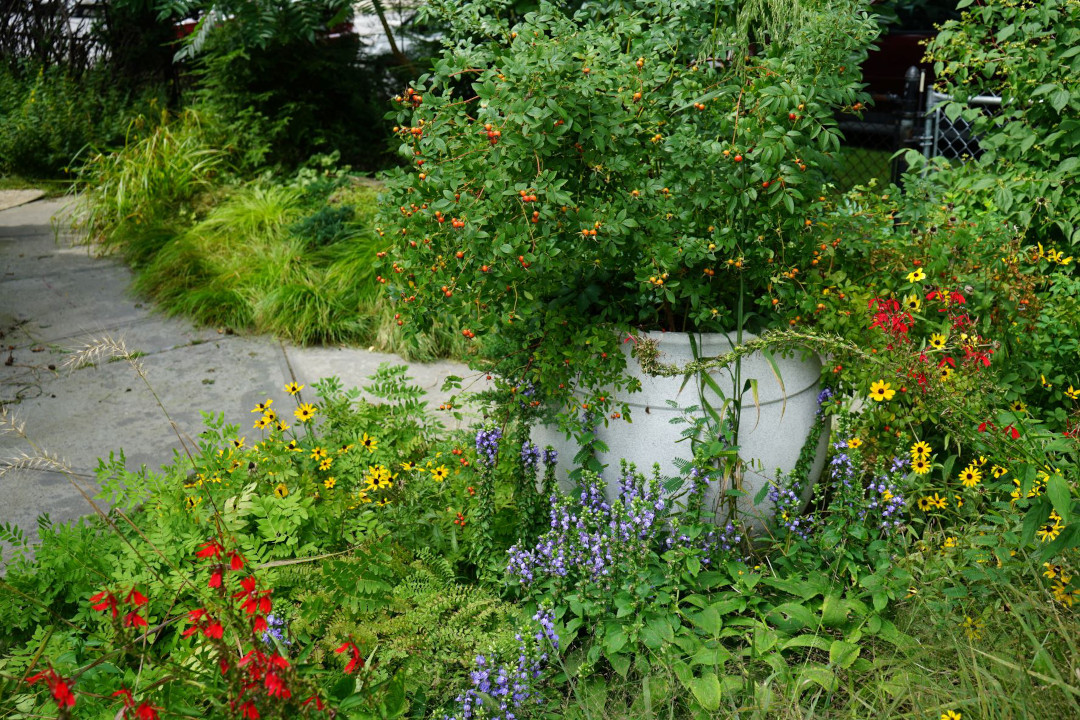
column 771, row 434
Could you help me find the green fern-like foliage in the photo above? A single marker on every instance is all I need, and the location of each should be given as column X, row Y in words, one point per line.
column 410, row 612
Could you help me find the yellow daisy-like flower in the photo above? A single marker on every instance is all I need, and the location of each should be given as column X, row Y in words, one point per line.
column 304, row 412
column 1073, row 393
column 317, row 453
column 191, row 502
column 362, row 496
column 294, row 446
column 951, row 715
column 1063, row 595
column 1051, row 571
column 921, row 465
column 369, row 442
column 854, row 443
column 384, row 502
column 261, row 423
column 1050, row 529
column 1045, row 383
column 937, row 341
column 408, row 466
column 916, row 276
column 944, row 372
column 950, row 542
column 959, row 501
column 330, row 482
column 924, row 503
column 980, row 461
column 325, row 464
column 281, row 426
column 939, row 502
column 971, row 476
column 263, row 406
column 269, row 416
column 997, row 471
column 281, row 491
column 238, row 443
column 293, row 388
column 912, row 302
column 921, row 449
column 881, row 390
column 440, row 473
column 345, row 448
column 1017, row 407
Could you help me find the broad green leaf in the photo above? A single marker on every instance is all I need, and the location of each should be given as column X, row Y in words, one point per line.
column 706, row 690
column 843, row 653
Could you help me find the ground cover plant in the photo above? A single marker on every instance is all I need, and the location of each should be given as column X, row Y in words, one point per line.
column 354, row 558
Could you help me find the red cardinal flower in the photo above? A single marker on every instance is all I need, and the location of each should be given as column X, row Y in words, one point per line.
column 1012, row 432
column 133, row 619
column 211, row 549
column 136, row 598
column 105, row 601
column 236, row 562
column 249, row 711
column 146, row 711
column 126, row 694
column 356, row 661
column 314, row 699
column 259, row 625
column 58, row 686
column 215, row 579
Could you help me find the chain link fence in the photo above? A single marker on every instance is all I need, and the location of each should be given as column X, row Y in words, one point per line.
column 914, row 120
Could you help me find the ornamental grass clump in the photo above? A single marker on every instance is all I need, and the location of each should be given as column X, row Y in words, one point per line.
column 652, row 164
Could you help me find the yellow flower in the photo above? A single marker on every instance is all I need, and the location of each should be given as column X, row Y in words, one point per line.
column 281, row 426
column 294, row 446
column 951, row 715
column 938, row 501
column 1051, row 529
column 1073, row 393
column 970, row 477
column 238, row 442
column 1045, row 384
column 959, row 501
column 916, row 275
column 261, row 423
column 944, row 372
column 854, row 443
column 330, row 482
column 881, row 390
column 921, row 449
column 997, row 471
column 345, row 448
column 440, row 473
column 408, row 466
column 325, row 464
column 937, row 341
column 304, row 412
column 191, row 502
column 912, row 302
column 972, row 628
column 281, row 491
column 1062, row 594
column 1017, row 407
column 1051, row 571
column 924, row 503
column 317, row 453
column 292, row 388
column 263, row 406
column 370, row 443
column 950, row 542
column 269, row 416
column 920, row 465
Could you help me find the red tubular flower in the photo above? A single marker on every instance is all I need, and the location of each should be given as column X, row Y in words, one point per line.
column 136, row 598
column 146, row 711
column 947, row 361
column 1012, row 432
column 105, row 601
column 211, row 549
column 126, row 694
column 58, row 686
column 314, row 699
column 248, row 585
column 275, row 686
column 215, row 579
column 236, row 562
column 356, row 661
column 133, row 619
column 249, row 711
column 259, row 625
column 984, row 425
column 213, row 630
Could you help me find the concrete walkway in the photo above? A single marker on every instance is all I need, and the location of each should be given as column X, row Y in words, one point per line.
column 54, row 299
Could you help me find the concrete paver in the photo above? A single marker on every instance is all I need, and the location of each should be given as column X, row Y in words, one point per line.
column 55, row 298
